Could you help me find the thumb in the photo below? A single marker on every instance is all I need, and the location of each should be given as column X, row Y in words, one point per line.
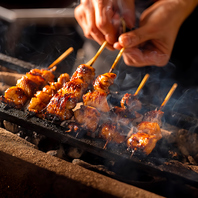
column 134, row 38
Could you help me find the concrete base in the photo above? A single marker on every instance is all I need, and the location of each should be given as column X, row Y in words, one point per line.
column 28, row 172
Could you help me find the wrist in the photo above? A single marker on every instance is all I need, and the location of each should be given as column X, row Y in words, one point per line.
column 186, row 7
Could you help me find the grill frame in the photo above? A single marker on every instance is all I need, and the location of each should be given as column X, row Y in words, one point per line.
column 95, row 146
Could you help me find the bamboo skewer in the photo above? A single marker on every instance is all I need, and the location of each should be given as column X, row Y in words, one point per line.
column 91, row 62
column 168, row 95
column 116, row 60
column 62, row 57
column 144, row 80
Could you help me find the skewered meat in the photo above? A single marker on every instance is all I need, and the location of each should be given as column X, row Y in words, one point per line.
column 154, row 116
column 65, row 100
column 42, row 98
column 146, row 137
column 104, row 81
column 151, row 128
column 110, row 133
column 14, row 97
column 84, row 72
column 98, row 97
column 142, row 141
column 130, row 102
column 25, row 88
column 88, row 117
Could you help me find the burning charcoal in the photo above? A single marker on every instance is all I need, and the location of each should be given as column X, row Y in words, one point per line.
column 10, row 126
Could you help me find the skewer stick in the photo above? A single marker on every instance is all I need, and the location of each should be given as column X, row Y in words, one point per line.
column 168, row 95
column 62, row 57
column 141, row 84
column 92, row 61
column 116, row 60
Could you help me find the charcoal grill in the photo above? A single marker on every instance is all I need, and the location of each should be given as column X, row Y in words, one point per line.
column 117, row 152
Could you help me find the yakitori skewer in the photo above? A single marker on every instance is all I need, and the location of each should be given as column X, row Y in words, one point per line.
column 168, row 95
column 62, row 57
column 92, row 61
column 116, row 60
column 149, row 131
column 143, row 82
column 28, row 84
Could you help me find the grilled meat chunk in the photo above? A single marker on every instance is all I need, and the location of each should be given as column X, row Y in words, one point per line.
column 14, row 97
column 26, row 87
column 130, row 102
column 84, row 72
column 154, row 116
column 97, row 99
column 146, row 137
column 104, row 81
column 42, row 98
column 88, row 117
column 142, row 141
column 70, row 93
column 151, row 128
column 110, row 133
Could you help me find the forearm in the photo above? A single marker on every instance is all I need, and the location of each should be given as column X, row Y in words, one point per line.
column 184, row 8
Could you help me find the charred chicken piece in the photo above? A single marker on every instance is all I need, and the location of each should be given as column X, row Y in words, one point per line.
column 146, row 137
column 142, row 141
column 28, row 85
column 88, row 117
column 42, row 98
column 60, row 107
column 130, row 102
column 84, row 72
column 14, row 97
column 65, row 100
column 110, row 133
column 154, row 116
column 151, row 128
column 76, row 86
column 97, row 99
column 104, row 81
column 46, row 74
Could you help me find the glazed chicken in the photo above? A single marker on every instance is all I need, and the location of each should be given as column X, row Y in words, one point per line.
column 62, row 103
column 130, row 102
column 146, row 137
column 88, row 117
column 25, row 88
column 154, row 116
column 42, row 98
column 110, row 133
column 98, row 97
column 142, row 141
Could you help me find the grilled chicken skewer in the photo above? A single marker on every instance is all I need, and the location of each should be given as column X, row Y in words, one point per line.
column 33, row 81
column 25, row 88
column 42, row 98
column 61, row 104
column 148, row 131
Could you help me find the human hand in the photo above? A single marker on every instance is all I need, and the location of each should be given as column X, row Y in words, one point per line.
column 100, row 19
column 153, row 41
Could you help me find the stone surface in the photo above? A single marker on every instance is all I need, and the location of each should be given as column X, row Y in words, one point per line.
column 28, row 172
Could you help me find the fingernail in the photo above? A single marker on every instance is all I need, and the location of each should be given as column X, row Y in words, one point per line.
column 125, row 40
